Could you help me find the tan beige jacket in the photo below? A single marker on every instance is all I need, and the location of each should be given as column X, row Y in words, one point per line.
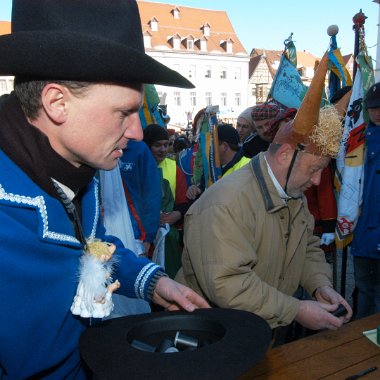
column 245, row 248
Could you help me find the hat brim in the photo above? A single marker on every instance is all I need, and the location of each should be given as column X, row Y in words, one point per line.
column 81, row 57
column 372, row 103
column 237, row 340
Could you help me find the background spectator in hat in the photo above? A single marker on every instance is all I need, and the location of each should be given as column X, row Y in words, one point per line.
column 231, row 157
column 365, row 246
column 67, row 117
column 249, row 240
column 252, row 143
column 174, row 203
column 266, row 120
column 244, row 125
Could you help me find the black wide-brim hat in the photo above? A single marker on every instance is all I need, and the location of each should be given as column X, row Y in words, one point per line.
column 229, row 343
column 82, row 40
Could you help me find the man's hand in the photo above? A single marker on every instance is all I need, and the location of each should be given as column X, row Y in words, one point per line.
column 317, row 315
column 192, row 192
column 170, row 217
column 327, row 294
column 174, row 296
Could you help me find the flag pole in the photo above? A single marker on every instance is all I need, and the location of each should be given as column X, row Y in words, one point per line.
column 377, row 69
column 358, row 20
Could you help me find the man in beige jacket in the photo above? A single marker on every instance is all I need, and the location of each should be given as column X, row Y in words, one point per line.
column 249, row 240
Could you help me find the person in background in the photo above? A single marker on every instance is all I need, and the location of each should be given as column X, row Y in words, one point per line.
column 249, row 139
column 141, row 183
column 321, row 199
column 249, row 241
column 365, row 246
column 184, row 152
column 173, row 188
column 230, row 154
column 67, row 117
column 266, row 118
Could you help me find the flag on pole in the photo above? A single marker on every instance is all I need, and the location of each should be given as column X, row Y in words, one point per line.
column 350, row 159
column 339, row 76
column 149, row 113
column 287, row 87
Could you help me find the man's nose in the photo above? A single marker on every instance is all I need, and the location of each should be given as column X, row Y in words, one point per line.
column 316, row 178
column 134, row 130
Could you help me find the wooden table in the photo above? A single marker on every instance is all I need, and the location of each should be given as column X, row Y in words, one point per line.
column 325, row 355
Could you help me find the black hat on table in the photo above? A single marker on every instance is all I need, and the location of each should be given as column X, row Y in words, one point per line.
column 82, row 40
column 230, row 343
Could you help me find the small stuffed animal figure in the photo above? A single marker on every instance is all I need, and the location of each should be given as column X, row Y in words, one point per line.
column 94, row 293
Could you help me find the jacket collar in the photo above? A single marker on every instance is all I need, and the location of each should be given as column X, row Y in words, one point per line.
column 271, row 197
column 54, row 226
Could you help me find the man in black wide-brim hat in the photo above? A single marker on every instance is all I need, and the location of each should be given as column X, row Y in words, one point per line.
column 79, row 67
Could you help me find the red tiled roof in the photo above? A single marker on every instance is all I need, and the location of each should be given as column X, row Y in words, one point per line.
column 189, row 23
column 5, row 27
column 304, row 58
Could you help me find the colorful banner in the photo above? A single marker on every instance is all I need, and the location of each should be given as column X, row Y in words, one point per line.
column 287, row 87
column 350, row 159
column 148, row 112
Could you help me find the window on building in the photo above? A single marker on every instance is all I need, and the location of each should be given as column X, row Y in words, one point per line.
column 176, row 43
column 208, row 72
column 302, row 71
column 193, row 99
column 223, row 99
column 223, row 73
column 3, row 84
column 192, row 71
column 177, row 98
column 237, row 73
column 208, row 98
column 237, row 99
column 203, row 45
column 154, row 25
column 147, row 41
column 190, row 44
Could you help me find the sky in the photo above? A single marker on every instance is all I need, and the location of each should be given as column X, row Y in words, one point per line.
column 265, row 24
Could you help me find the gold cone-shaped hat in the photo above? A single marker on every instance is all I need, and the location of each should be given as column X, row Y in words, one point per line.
column 342, row 104
column 298, row 131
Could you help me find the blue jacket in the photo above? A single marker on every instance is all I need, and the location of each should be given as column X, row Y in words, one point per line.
column 366, row 242
column 140, row 173
column 39, row 257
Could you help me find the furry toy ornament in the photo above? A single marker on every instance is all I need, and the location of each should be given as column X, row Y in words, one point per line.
column 95, row 288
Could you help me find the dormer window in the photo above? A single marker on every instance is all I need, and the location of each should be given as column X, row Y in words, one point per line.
column 206, row 29
column 153, row 24
column 227, row 45
column 175, row 13
column 147, row 39
column 188, row 42
column 201, row 44
column 175, row 41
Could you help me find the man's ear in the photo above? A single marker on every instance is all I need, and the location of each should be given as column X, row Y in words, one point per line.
column 284, row 154
column 54, row 98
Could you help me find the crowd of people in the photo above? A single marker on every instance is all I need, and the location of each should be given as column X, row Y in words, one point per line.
column 93, row 218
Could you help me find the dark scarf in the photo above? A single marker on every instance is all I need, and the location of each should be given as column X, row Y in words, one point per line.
column 30, row 149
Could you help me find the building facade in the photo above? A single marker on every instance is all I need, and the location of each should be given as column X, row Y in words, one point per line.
column 201, row 45
column 6, row 83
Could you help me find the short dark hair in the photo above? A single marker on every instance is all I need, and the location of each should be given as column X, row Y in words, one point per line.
column 28, row 92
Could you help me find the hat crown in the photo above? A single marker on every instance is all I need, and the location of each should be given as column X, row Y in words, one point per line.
column 308, row 114
column 97, row 18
